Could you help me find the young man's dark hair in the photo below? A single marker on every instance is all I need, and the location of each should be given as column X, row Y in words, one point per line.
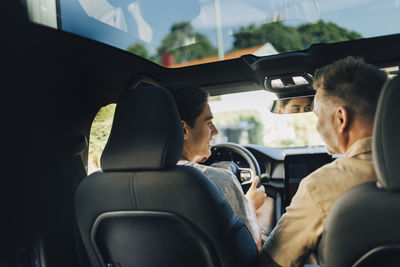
column 356, row 83
column 190, row 101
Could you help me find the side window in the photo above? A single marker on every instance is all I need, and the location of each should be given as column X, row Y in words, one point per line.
column 99, row 133
column 42, row 11
column 392, row 71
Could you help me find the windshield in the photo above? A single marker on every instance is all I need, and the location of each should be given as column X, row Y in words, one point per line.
column 181, row 33
column 242, row 118
column 245, row 118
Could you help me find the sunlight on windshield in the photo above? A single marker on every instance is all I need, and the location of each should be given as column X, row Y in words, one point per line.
column 245, row 118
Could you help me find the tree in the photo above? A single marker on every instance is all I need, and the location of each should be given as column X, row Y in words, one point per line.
column 138, row 49
column 322, row 32
column 289, row 38
column 241, row 125
column 256, row 132
column 283, row 38
column 185, row 44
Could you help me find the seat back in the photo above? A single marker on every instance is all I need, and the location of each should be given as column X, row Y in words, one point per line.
column 362, row 228
column 142, row 209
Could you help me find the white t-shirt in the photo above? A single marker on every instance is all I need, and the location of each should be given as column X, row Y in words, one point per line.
column 230, row 187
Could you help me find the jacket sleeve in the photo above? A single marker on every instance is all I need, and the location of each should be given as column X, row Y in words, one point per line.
column 296, row 234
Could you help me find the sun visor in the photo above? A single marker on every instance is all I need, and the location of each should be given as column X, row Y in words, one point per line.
column 288, row 85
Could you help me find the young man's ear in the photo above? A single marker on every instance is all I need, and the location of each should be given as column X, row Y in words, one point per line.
column 342, row 118
column 185, row 129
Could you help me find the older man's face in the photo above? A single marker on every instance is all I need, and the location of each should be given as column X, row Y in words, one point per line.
column 324, row 109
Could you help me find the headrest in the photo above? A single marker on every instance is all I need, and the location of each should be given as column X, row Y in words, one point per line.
column 146, row 133
column 386, row 136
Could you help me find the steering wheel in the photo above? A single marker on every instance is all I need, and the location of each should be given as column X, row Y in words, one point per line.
column 245, row 175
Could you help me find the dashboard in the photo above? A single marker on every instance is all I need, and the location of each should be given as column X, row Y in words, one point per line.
column 282, row 169
column 298, row 167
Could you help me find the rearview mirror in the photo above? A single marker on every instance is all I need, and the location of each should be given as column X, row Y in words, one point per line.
column 292, row 105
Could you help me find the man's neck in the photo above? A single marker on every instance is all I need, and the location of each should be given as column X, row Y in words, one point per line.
column 186, row 155
column 183, row 158
column 357, row 131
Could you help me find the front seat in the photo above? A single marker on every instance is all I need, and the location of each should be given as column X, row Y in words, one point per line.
column 142, row 209
column 363, row 226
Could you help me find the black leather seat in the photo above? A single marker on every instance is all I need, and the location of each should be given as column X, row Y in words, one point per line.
column 363, row 226
column 142, row 209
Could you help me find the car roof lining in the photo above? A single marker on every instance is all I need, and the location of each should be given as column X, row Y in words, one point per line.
column 72, row 66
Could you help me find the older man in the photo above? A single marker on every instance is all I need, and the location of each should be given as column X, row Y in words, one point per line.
column 345, row 104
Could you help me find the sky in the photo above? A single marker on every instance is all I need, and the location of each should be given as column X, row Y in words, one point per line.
column 367, row 17
column 154, row 18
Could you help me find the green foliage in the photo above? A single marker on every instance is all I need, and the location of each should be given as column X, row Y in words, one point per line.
column 99, row 133
column 233, row 124
column 138, row 49
column 322, row 32
column 185, row 44
column 289, row 38
column 256, row 133
column 283, row 38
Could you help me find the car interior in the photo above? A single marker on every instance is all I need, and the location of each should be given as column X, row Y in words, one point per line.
column 138, row 208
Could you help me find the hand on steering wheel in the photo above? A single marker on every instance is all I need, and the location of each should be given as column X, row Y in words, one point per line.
column 255, row 195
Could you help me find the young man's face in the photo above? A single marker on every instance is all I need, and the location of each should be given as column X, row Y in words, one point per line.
column 296, row 105
column 198, row 139
column 324, row 109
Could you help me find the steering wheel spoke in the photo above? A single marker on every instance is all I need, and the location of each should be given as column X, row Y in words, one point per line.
column 244, row 175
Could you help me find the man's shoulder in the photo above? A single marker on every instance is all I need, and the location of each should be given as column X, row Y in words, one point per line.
column 328, row 170
column 327, row 183
column 341, row 168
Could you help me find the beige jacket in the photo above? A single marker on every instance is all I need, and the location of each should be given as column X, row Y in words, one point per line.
column 296, row 235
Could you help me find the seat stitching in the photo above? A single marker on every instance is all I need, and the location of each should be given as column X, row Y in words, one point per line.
column 165, row 152
column 132, row 190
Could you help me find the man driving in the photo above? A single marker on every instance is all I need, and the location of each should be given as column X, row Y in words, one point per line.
column 198, row 130
column 346, row 97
